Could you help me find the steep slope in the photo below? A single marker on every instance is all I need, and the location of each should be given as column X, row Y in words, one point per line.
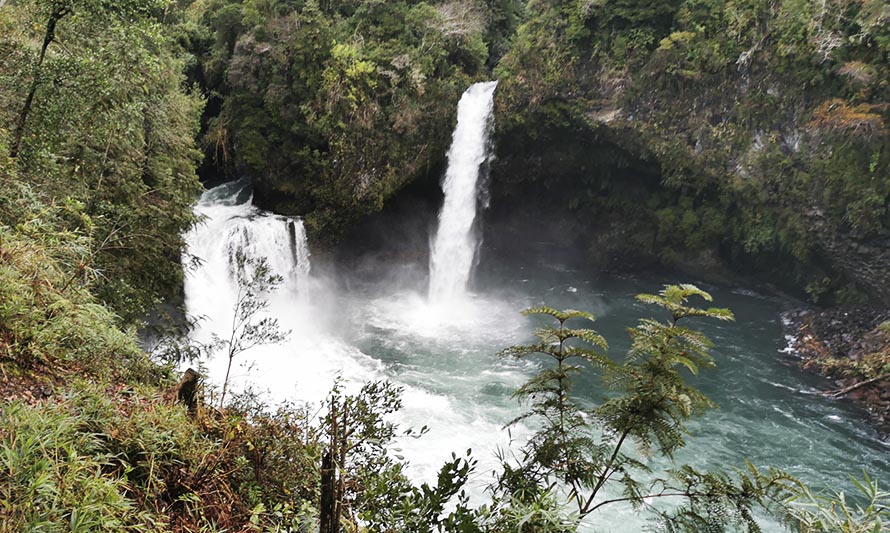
column 766, row 121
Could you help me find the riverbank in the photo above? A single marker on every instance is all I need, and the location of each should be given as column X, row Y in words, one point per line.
column 851, row 346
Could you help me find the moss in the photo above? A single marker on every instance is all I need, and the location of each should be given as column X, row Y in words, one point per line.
column 776, row 131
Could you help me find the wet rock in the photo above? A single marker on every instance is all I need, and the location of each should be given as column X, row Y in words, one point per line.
column 850, row 346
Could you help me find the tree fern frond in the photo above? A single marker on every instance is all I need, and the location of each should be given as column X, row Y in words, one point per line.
column 592, row 356
column 574, row 313
column 520, row 351
column 544, row 310
column 590, row 336
column 674, row 297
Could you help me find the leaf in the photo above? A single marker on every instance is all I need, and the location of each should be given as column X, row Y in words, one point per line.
column 561, row 316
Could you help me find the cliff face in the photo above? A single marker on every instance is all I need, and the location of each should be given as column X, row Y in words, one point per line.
column 766, row 121
column 332, row 107
column 747, row 136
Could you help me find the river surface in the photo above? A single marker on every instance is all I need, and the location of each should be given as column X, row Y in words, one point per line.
column 380, row 326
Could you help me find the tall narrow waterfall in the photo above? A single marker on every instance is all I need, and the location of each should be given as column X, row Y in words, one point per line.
column 454, row 247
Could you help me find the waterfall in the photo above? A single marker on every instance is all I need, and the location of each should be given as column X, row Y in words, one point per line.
column 280, row 240
column 231, row 225
column 304, row 365
column 453, row 250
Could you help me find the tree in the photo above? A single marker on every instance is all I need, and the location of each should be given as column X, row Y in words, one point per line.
column 53, row 12
column 358, row 436
column 560, row 448
column 585, row 450
column 363, row 480
column 99, row 116
column 58, row 10
column 249, row 328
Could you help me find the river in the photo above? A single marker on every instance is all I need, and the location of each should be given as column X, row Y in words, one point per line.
column 435, row 329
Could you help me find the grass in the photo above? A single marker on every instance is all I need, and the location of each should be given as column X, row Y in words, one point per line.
column 91, row 438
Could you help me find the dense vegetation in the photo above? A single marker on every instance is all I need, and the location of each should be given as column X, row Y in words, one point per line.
column 687, row 133
column 764, row 124
column 94, row 112
column 332, row 108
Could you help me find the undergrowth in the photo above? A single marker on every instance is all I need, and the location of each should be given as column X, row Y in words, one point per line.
column 48, row 321
column 121, row 458
column 109, row 449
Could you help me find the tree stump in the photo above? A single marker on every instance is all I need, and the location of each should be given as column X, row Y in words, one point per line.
column 187, row 390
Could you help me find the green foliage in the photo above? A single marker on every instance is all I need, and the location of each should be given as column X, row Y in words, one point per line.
column 767, row 123
column 562, row 447
column 719, row 501
column 113, row 459
column 812, row 513
column 276, row 453
column 526, row 513
column 359, row 435
column 105, row 124
column 52, row 476
column 332, row 108
column 49, row 323
column 656, row 399
column 367, row 482
column 583, row 449
column 399, row 506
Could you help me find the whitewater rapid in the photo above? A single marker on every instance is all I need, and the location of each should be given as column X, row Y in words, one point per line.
column 351, row 337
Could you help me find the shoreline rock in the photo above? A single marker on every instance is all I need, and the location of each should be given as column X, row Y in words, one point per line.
column 849, row 345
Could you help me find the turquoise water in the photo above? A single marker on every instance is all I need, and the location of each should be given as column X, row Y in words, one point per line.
column 769, row 411
column 373, row 321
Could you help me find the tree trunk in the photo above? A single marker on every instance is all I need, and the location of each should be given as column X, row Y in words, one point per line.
column 222, row 397
column 48, row 38
column 329, row 519
column 326, row 513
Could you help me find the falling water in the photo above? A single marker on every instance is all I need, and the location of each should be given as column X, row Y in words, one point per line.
column 770, row 413
column 281, row 241
column 231, row 225
column 454, row 247
column 304, row 365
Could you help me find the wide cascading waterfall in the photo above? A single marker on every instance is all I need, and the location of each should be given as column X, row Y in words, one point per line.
column 305, row 364
column 231, row 225
column 453, row 249
column 281, row 241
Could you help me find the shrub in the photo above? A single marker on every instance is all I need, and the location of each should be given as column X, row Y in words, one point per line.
column 46, row 320
column 52, row 477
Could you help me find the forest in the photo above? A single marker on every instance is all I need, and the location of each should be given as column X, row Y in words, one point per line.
column 457, row 265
